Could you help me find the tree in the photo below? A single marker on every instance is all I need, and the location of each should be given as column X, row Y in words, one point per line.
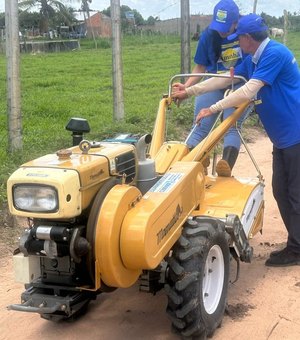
column 151, row 20
column 138, row 19
column 272, row 21
column 2, row 20
column 48, row 10
column 254, row 6
column 85, row 7
column 28, row 20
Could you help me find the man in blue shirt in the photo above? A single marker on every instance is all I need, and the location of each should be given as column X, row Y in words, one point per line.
column 274, row 81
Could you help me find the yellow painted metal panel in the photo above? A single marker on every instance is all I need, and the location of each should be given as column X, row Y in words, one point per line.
column 66, row 182
column 225, row 195
column 168, row 154
column 110, row 266
column 152, row 227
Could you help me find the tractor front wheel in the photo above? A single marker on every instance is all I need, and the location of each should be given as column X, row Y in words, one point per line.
column 197, row 279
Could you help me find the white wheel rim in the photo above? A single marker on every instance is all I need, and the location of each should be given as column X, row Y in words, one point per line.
column 213, row 279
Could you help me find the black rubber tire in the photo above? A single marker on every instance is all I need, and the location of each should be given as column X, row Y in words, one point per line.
column 203, row 240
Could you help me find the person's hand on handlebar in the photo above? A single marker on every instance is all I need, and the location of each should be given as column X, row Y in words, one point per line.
column 178, row 87
column 203, row 113
column 178, row 93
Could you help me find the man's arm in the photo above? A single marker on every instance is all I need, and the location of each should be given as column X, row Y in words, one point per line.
column 244, row 93
column 209, row 85
column 194, row 80
column 181, row 92
column 179, row 88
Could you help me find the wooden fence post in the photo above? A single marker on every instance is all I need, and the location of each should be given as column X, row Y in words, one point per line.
column 185, row 37
column 14, row 120
column 117, row 60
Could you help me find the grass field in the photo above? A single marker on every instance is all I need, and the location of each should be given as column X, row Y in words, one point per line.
column 58, row 86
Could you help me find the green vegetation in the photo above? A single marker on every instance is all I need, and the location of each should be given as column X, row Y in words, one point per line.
column 58, row 86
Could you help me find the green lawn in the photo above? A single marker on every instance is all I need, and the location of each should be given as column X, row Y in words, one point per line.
column 58, row 86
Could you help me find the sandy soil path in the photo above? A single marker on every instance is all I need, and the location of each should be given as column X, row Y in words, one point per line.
column 263, row 305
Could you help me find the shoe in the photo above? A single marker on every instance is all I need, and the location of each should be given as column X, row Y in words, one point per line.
column 283, row 258
column 206, row 163
column 227, row 162
column 277, row 252
column 223, row 169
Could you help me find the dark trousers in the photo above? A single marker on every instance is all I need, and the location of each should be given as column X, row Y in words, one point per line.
column 286, row 190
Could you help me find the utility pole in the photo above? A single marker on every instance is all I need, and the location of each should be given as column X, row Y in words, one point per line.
column 13, row 76
column 117, row 60
column 285, row 27
column 254, row 6
column 185, row 37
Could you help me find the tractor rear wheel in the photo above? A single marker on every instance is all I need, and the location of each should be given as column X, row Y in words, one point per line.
column 197, row 279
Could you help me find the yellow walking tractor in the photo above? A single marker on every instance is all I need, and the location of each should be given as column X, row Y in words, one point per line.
column 111, row 214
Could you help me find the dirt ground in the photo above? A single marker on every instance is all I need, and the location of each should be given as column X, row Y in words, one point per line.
column 263, row 304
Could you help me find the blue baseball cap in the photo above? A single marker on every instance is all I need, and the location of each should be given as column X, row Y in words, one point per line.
column 226, row 12
column 250, row 23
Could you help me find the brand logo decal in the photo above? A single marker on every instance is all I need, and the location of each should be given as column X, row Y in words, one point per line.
column 221, row 16
column 164, row 231
column 97, row 174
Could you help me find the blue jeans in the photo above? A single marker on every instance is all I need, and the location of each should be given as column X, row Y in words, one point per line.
column 231, row 137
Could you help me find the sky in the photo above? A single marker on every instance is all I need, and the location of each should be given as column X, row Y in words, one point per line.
column 167, row 9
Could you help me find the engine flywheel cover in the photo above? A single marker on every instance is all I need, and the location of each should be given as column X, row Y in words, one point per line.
column 108, row 228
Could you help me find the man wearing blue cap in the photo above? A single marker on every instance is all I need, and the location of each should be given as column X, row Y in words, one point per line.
column 274, row 81
column 215, row 54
